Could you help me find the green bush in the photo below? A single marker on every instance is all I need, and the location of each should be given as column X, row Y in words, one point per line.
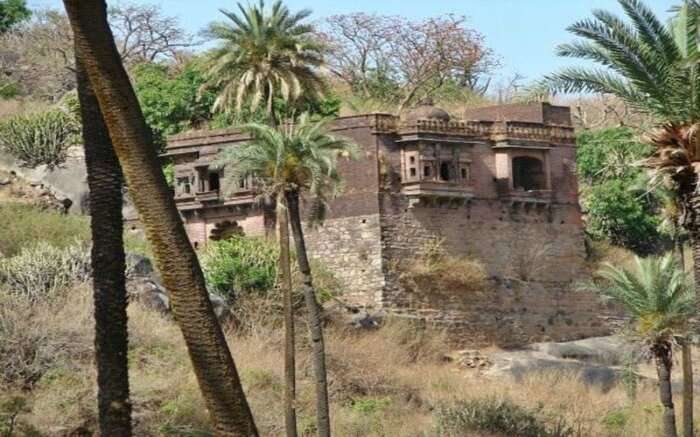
column 240, row 265
column 500, row 417
column 39, row 138
column 247, row 266
column 43, row 269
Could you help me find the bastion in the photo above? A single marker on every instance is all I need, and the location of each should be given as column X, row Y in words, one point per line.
column 496, row 185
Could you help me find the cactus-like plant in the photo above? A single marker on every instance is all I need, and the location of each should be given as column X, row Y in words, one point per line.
column 39, row 138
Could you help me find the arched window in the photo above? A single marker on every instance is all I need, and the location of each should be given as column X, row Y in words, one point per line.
column 528, row 174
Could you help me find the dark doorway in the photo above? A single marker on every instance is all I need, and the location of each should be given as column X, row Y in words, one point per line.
column 214, row 183
column 528, row 174
column 445, row 171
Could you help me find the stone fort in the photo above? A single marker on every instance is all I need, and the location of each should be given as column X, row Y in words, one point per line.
column 496, row 184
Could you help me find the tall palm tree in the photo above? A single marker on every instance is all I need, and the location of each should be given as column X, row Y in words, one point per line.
column 285, row 283
column 660, row 298
column 176, row 260
column 105, row 180
column 653, row 68
column 263, row 54
column 288, row 161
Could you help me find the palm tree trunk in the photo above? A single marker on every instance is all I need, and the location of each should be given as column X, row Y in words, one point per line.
column 315, row 321
column 285, row 282
column 176, row 260
column 687, row 388
column 104, row 176
column 663, row 355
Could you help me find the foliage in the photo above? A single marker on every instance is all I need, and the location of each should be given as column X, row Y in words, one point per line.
column 43, row 269
column 657, row 293
column 170, row 98
column 615, row 212
column 610, row 153
column 649, row 65
column 240, row 265
column 491, row 415
column 41, row 138
column 618, row 204
column 12, row 12
column 246, row 268
column 263, row 54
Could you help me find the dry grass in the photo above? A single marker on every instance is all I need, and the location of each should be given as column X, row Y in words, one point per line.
column 436, row 271
column 385, row 382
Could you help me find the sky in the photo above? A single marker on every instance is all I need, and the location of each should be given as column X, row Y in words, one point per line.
column 522, row 33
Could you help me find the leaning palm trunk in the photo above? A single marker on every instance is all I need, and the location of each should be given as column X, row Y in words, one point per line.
column 687, row 388
column 174, row 256
column 315, row 321
column 662, row 354
column 104, row 176
column 285, row 283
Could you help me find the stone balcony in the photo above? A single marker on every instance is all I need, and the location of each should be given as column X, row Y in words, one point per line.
column 436, row 192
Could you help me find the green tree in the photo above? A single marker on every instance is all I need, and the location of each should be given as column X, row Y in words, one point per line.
column 170, row 100
column 263, row 54
column 660, row 298
column 288, row 161
column 614, row 192
column 12, row 12
column 175, row 258
column 615, row 212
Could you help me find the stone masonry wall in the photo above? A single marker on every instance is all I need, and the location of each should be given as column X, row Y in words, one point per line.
column 351, row 248
column 533, row 259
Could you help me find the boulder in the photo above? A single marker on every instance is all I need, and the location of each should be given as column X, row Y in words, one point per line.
column 149, row 293
column 597, row 361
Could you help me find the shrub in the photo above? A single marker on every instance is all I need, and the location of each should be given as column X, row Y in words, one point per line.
column 240, row 265
column 500, row 417
column 39, row 138
column 43, row 269
column 22, row 225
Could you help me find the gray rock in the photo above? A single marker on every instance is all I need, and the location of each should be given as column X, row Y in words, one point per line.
column 5, row 181
column 149, row 293
column 601, row 350
column 221, row 307
column 597, row 361
column 139, row 266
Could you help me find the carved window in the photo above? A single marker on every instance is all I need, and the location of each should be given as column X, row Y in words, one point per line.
column 445, row 171
column 411, row 164
column 183, row 185
column 528, row 174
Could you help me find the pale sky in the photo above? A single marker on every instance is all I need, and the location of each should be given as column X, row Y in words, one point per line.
column 522, row 33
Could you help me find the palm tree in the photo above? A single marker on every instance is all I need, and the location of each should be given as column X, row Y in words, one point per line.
column 285, row 283
column 660, row 298
column 173, row 253
column 105, row 181
column 263, row 55
column 287, row 161
column 653, row 68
